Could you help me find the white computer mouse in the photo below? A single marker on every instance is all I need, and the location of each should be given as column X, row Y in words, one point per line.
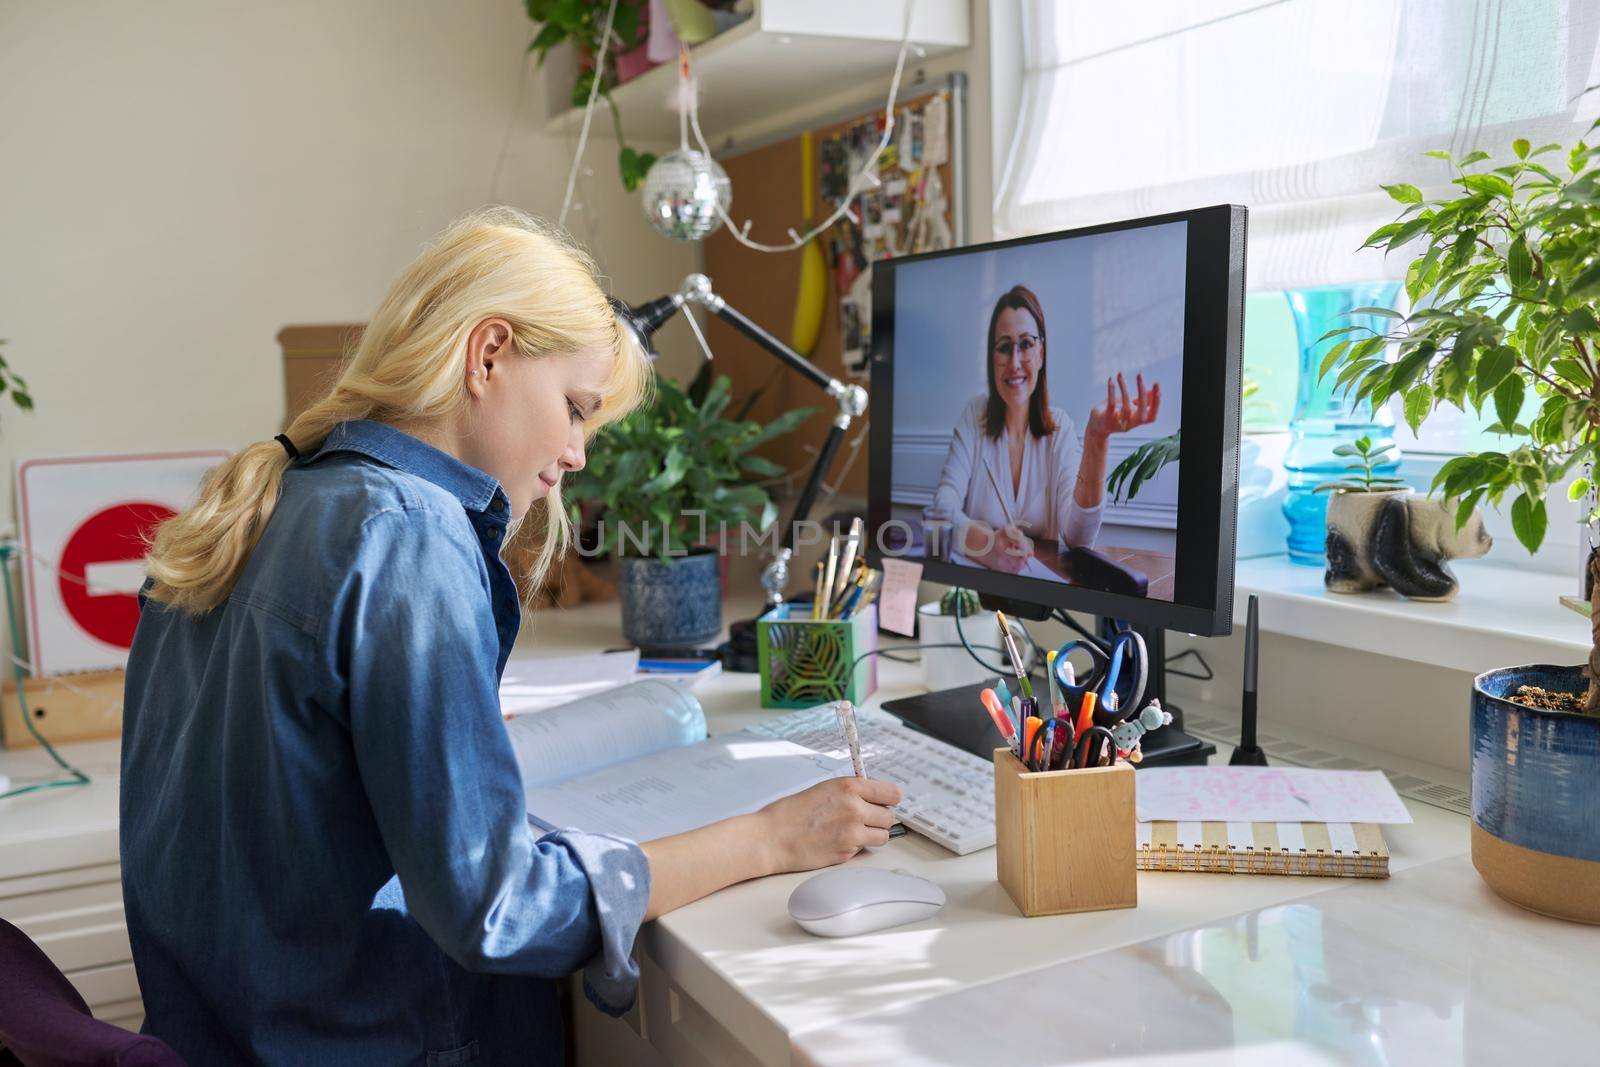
column 845, row 901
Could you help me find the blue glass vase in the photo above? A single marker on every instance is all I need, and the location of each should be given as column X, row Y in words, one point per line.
column 1323, row 420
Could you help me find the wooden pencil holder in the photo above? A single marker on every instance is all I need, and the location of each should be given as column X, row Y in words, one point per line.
column 1064, row 840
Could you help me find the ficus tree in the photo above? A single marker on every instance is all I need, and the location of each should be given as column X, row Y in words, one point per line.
column 1504, row 292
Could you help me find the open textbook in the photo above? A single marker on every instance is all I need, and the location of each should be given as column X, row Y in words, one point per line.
column 635, row 761
column 534, row 683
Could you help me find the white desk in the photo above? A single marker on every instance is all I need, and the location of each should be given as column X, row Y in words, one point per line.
column 1208, row 968
column 1427, row 967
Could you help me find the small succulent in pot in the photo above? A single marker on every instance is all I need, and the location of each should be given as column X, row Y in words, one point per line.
column 1368, row 459
column 963, row 602
column 1380, row 533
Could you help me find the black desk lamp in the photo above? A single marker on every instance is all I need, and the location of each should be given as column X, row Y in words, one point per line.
column 644, row 320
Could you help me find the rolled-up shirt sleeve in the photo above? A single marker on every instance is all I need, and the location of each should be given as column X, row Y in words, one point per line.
column 419, row 649
column 619, row 880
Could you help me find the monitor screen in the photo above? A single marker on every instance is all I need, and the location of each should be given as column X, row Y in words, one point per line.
column 1055, row 419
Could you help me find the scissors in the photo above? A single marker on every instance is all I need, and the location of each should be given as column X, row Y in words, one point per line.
column 1086, row 754
column 1051, row 742
column 1120, row 672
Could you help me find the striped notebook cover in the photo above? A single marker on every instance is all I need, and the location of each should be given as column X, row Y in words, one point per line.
column 1325, row 849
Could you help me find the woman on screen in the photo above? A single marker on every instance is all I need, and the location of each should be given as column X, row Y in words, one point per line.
column 1015, row 470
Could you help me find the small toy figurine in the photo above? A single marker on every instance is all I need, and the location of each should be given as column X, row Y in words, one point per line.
column 1130, row 731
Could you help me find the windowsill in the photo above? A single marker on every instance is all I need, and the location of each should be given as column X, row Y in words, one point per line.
column 1501, row 616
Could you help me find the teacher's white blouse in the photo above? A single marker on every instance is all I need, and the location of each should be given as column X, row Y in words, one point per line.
column 975, row 483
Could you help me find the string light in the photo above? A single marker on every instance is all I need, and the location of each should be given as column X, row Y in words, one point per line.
column 688, row 107
column 588, row 114
column 859, row 182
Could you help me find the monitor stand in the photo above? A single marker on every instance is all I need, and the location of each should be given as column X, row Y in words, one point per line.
column 956, row 717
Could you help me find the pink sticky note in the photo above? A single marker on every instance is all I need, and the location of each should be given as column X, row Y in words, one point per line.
column 897, row 603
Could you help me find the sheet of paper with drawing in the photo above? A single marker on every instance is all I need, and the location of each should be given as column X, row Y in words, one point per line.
column 1266, row 794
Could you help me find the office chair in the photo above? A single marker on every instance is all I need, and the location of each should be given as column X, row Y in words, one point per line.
column 45, row 1023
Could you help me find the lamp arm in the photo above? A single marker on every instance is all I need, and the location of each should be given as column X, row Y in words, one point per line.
column 851, row 400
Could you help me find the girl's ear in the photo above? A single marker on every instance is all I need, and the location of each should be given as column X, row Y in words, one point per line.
column 488, row 341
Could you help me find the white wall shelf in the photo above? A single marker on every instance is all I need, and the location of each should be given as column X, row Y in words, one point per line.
column 1502, row 616
column 787, row 52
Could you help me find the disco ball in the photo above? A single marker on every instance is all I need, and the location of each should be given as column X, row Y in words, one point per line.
column 682, row 192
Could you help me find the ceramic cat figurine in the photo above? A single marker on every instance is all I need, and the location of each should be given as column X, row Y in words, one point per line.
column 1400, row 540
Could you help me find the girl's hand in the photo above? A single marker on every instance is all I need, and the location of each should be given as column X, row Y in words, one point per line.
column 829, row 823
column 1120, row 414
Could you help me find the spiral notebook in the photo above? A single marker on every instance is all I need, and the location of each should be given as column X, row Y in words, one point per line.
column 1321, row 849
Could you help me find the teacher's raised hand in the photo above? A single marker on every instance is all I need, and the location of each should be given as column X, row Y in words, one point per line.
column 1120, row 413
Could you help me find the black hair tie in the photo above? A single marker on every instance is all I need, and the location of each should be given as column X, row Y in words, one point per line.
column 288, row 446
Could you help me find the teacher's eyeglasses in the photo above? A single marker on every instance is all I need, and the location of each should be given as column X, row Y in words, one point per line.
column 1024, row 344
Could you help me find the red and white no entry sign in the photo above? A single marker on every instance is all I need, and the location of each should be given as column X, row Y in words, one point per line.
column 84, row 524
column 102, row 568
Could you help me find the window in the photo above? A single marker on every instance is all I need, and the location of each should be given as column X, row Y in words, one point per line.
column 1299, row 109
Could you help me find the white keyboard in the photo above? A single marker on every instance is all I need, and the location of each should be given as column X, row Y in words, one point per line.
column 948, row 793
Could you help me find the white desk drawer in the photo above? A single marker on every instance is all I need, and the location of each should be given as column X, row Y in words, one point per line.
column 29, row 885
column 82, row 946
column 680, row 1029
column 105, row 985
column 128, row 1014
column 27, row 909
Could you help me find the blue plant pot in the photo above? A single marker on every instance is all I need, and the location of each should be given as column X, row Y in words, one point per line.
column 1536, row 795
column 675, row 601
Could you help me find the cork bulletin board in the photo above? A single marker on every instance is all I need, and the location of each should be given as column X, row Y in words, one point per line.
column 916, row 207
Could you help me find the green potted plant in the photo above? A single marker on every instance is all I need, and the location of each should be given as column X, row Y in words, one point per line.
column 672, row 478
column 10, row 383
column 1505, row 293
column 1379, row 534
column 582, row 22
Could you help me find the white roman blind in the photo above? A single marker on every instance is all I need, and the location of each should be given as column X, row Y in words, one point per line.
column 1298, row 109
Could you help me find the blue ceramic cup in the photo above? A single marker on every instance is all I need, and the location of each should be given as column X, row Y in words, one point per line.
column 1536, row 794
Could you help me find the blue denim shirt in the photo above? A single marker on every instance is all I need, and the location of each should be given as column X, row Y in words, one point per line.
column 325, row 856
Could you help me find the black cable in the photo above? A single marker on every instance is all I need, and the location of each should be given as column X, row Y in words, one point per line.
column 1195, row 652
column 1004, row 671
column 1074, row 625
column 1041, row 658
column 885, row 652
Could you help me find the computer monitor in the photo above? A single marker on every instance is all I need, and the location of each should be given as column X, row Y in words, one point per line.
column 1013, row 450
